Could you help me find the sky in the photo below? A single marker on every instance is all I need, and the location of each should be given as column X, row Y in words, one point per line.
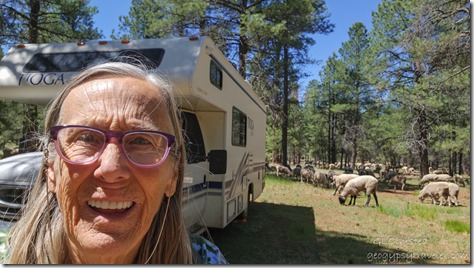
column 343, row 14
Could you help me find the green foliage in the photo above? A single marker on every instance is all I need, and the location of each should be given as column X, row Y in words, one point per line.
column 43, row 22
column 391, row 95
column 162, row 19
column 37, row 22
column 273, row 180
column 3, row 244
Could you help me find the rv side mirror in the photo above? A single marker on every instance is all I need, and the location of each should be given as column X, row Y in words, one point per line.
column 218, row 161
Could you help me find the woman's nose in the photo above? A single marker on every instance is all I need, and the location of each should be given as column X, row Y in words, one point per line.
column 113, row 165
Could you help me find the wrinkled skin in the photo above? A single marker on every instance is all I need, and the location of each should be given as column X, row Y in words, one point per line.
column 107, row 235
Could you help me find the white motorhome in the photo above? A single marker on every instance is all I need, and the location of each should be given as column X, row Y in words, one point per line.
column 223, row 119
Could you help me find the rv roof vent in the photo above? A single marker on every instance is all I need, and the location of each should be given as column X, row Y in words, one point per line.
column 193, row 38
column 125, row 41
column 81, row 43
column 20, row 46
column 102, row 42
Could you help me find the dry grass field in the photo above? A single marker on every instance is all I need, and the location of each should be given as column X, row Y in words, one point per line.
column 297, row 223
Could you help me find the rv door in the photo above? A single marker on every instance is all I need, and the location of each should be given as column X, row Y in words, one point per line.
column 196, row 170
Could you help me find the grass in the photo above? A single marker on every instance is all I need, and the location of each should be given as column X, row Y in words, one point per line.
column 297, row 223
column 457, row 226
column 409, row 210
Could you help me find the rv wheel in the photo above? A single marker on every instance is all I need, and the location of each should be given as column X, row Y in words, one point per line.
column 244, row 214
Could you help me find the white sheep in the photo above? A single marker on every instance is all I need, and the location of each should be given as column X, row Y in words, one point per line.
column 321, row 179
column 440, row 171
column 397, row 180
column 403, row 170
column 444, row 177
column 435, row 190
column 307, row 174
column 341, row 180
column 366, row 183
column 453, row 194
column 283, row 170
column 331, row 176
column 428, row 178
column 459, row 180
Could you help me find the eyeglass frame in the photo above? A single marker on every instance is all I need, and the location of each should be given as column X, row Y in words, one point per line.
column 118, row 135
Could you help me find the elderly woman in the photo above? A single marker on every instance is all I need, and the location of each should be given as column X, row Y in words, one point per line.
column 109, row 190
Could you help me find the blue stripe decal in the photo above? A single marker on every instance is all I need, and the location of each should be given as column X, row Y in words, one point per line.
column 201, row 186
column 194, row 188
column 215, row 184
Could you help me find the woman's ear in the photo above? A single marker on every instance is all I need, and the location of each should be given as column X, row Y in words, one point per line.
column 51, row 178
column 171, row 187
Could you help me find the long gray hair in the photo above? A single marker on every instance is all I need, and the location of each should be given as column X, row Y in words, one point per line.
column 39, row 236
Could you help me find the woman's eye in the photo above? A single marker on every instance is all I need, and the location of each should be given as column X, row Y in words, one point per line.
column 139, row 141
column 88, row 137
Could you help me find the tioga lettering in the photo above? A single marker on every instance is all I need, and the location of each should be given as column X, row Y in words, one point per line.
column 39, row 78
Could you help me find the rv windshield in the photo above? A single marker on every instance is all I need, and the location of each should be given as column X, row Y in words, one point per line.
column 75, row 61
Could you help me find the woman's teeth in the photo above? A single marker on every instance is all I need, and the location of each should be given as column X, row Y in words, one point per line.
column 110, row 205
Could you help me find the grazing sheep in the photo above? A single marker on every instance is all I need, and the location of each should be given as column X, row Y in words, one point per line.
column 269, row 168
column 283, row 170
column 389, row 175
column 440, row 171
column 341, row 180
column 366, row 183
column 435, row 190
column 453, row 194
column 348, row 170
column 321, row 179
column 428, row 178
column 437, row 171
column 330, row 177
column 307, row 174
column 459, row 180
column 403, row 170
column 444, row 177
column 366, row 171
column 397, row 180
column 297, row 171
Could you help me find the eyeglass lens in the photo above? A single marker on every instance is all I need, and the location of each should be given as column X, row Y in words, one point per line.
column 84, row 145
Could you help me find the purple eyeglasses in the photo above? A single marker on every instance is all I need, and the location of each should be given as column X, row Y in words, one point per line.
column 82, row 145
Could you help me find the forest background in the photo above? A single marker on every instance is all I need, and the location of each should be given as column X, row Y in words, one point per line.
column 398, row 94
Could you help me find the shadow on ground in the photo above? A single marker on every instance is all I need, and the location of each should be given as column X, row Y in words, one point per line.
column 282, row 234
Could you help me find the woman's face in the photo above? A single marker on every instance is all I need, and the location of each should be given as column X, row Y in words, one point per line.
column 96, row 232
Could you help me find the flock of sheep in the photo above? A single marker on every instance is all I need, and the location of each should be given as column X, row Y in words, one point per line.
column 438, row 187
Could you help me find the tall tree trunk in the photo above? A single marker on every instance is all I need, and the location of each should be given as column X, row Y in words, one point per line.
column 333, row 139
column 28, row 142
column 243, row 43
column 342, row 157
column 460, row 171
column 330, row 135
column 33, row 21
column 354, row 154
column 423, row 143
column 284, row 124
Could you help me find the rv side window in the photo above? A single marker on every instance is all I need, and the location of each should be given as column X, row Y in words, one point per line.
column 74, row 61
column 194, row 143
column 239, row 128
column 216, row 75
